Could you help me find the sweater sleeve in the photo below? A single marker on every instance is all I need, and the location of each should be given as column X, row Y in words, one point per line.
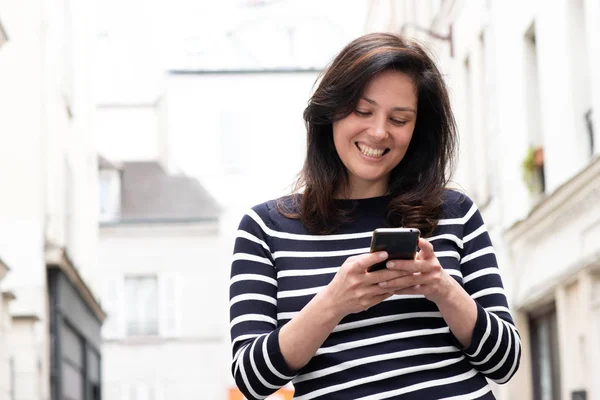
column 258, row 366
column 495, row 348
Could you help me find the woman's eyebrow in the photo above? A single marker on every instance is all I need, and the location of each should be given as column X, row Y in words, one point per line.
column 393, row 109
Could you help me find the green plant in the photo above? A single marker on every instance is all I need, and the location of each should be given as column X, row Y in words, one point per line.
column 530, row 166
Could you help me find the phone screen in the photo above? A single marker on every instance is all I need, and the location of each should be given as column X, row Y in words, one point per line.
column 400, row 244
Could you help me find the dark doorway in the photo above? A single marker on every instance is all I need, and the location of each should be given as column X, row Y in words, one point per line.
column 545, row 354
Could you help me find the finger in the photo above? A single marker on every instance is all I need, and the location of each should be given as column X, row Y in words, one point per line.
column 411, row 266
column 426, row 250
column 384, row 275
column 402, row 283
column 412, row 290
column 364, row 261
column 379, row 298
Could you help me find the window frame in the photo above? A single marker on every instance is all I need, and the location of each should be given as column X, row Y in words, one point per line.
column 142, row 330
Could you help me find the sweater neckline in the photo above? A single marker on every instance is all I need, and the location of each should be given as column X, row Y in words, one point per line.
column 369, row 203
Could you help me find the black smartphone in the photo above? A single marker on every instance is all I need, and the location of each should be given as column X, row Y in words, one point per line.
column 400, row 244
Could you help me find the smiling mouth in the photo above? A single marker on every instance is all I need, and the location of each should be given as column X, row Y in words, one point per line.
column 371, row 152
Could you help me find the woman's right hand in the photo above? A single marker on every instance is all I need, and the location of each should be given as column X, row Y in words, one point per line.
column 353, row 289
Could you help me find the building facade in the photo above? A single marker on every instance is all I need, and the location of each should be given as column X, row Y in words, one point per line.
column 226, row 109
column 5, row 319
column 159, row 254
column 526, row 96
column 48, row 214
column 246, row 146
column 6, row 356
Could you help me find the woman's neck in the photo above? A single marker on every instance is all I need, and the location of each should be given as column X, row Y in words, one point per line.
column 362, row 191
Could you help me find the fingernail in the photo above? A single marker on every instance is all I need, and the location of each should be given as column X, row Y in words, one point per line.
column 384, row 283
column 383, row 255
column 390, row 264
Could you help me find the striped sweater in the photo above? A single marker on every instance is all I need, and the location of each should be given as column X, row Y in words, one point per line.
column 400, row 348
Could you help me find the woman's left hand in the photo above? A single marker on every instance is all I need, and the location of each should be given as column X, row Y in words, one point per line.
column 428, row 277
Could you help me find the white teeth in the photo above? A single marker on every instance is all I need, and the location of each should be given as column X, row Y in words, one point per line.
column 369, row 151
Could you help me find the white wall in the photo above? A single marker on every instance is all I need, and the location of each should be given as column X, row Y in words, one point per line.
column 128, row 133
column 21, row 208
column 68, row 105
column 193, row 361
column 592, row 13
column 171, row 370
column 46, row 120
column 39, row 138
column 242, row 135
column 572, row 227
column 6, row 352
column 250, row 122
column 594, row 369
column 31, row 377
column 23, row 117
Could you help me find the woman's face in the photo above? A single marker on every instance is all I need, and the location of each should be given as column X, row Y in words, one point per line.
column 373, row 139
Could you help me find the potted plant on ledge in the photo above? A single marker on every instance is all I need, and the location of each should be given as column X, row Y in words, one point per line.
column 533, row 169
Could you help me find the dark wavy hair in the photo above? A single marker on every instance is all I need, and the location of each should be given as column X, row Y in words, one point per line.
column 417, row 183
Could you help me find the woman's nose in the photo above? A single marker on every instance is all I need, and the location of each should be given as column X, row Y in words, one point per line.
column 378, row 129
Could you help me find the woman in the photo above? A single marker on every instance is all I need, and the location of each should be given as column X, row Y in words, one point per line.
column 381, row 140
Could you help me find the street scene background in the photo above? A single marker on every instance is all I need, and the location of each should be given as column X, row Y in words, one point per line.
column 134, row 135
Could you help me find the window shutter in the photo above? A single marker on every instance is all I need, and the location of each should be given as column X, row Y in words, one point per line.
column 170, row 304
column 126, row 392
column 112, row 301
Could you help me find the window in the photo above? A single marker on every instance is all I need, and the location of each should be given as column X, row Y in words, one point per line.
column 65, row 60
column 112, row 303
column 488, row 155
column 141, row 305
column 72, row 363
column 93, row 365
column 95, row 391
column 109, row 188
column 545, row 355
column 478, row 136
column 171, row 304
column 579, row 61
column 534, row 163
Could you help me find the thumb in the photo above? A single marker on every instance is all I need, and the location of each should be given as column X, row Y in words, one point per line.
column 426, row 250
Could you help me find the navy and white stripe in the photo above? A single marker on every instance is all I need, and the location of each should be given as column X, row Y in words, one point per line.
column 400, row 347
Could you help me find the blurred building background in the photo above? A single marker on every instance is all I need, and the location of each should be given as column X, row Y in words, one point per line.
column 134, row 135
column 526, row 89
column 50, row 330
column 187, row 134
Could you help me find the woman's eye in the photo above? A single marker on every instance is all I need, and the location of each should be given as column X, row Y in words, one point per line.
column 398, row 122
column 362, row 113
